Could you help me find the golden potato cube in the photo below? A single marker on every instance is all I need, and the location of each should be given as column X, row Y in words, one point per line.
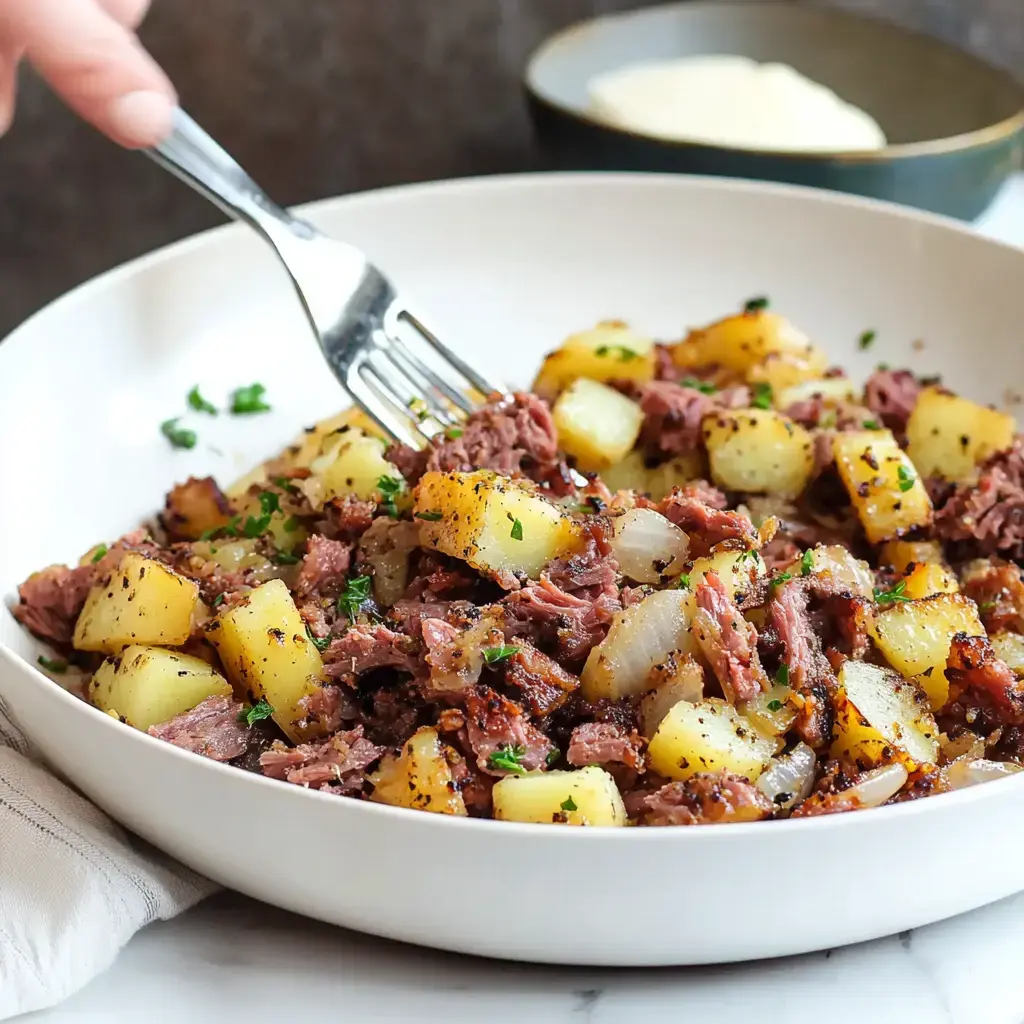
column 741, row 342
column 759, row 451
column 495, row 524
column 708, row 737
column 949, row 436
column 352, row 463
column 142, row 602
column 418, row 777
column 926, row 579
column 832, row 391
column 738, row 570
column 915, row 637
column 610, row 351
column 783, row 371
column 881, row 718
column 1010, row 647
column 150, row 685
column 900, row 554
column 265, row 649
column 633, row 474
column 884, row 486
column 588, row 796
column 596, row 424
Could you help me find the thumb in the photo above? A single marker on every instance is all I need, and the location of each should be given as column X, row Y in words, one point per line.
column 96, row 65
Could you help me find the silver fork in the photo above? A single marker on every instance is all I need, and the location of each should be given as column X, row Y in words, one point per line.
column 363, row 324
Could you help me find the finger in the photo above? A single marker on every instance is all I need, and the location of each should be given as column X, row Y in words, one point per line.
column 8, row 87
column 129, row 13
column 96, row 65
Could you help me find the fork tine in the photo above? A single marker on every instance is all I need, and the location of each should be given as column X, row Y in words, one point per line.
column 484, row 386
column 425, row 378
column 375, row 403
column 415, row 394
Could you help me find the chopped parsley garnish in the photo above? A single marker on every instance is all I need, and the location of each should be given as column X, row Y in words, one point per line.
column 553, row 756
column 684, row 581
column 248, row 400
column 219, row 599
column 507, row 758
column 906, row 478
column 987, row 606
column 200, row 404
column 390, row 487
column 755, row 305
column 57, row 665
column 883, row 596
column 285, row 558
column 782, row 675
column 779, row 579
column 321, row 643
column 256, row 526
column 260, row 710
column 430, row 516
column 866, row 339
column 806, row 562
column 703, row 386
column 775, row 705
column 882, row 366
column 419, row 409
column 492, row 655
column 180, row 437
column 453, row 433
column 568, row 804
column 762, row 395
column 355, row 594
column 517, row 530
column 871, row 425
column 291, row 524
column 285, row 484
column 99, row 553
column 625, row 354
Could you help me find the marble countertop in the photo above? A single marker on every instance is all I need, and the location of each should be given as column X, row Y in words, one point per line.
column 232, row 959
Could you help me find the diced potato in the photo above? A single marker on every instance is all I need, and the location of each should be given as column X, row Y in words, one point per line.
column 284, row 530
column 596, row 424
column 633, row 474
column 194, row 508
column 927, row 579
column 884, row 486
column 741, row 342
column 610, row 351
column 265, row 649
column 881, row 718
column 352, row 463
column 950, row 436
column 142, row 602
column 150, row 685
column 841, row 565
column 419, row 777
column 782, row 371
column 495, row 524
column 1010, row 647
column 585, row 797
column 759, row 451
column 678, row 677
column 771, row 712
column 915, row 637
column 311, row 443
column 899, row 554
column 832, row 390
column 708, row 737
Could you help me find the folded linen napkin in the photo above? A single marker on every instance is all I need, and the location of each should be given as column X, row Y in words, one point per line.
column 74, row 886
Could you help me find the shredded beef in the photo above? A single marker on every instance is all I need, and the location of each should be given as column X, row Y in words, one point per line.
column 998, row 590
column 707, row 526
column 455, row 655
column 978, row 678
column 707, row 798
column 891, row 395
column 368, row 646
column 340, row 761
column 324, row 568
column 543, row 684
column 672, row 415
column 212, row 729
column 494, row 723
column 591, row 573
column 327, row 707
column 602, row 743
column 348, row 517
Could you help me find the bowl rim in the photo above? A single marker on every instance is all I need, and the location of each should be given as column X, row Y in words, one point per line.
column 978, row 137
column 31, row 675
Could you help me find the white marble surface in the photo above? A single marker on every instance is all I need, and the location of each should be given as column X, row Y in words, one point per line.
column 232, row 959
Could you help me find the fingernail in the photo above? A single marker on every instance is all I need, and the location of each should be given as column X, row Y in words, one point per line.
column 142, row 118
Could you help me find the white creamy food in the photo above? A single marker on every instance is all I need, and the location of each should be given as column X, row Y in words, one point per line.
column 732, row 101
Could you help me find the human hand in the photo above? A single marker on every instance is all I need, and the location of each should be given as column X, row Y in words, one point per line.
column 88, row 52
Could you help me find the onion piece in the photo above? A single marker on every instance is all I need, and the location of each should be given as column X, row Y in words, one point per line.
column 386, row 547
column 967, row 771
column 876, row 786
column 677, row 678
column 789, row 778
column 647, row 546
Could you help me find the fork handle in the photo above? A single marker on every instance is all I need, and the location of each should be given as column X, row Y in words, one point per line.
column 192, row 155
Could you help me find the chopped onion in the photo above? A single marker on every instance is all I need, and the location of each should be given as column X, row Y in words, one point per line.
column 386, row 546
column 648, row 546
column 875, row 787
column 789, row 778
column 966, row 771
column 967, row 745
column 681, row 678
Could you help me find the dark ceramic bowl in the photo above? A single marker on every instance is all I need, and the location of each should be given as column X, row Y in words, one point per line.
column 955, row 125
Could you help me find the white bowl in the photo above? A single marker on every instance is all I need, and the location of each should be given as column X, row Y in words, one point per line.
column 509, row 266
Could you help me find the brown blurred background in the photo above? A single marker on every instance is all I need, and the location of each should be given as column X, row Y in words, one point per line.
column 319, row 97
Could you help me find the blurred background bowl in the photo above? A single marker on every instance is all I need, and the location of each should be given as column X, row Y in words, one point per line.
column 954, row 124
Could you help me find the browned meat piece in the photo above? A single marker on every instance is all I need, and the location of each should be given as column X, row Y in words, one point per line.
column 194, row 508
column 707, row 798
column 672, row 415
column 495, row 724
column 341, row 760
column 891, row 395
column 706, row 526
column 366, row 646
column 348, row 517
column 591, row 572
column 831, row 794
column 998, row 590
column 212, row 729
column 454, row 655
column 324, row 568
column 328, row 707
column 728, row 641
column 604, row 743
column 980, row 679
column 543, row 683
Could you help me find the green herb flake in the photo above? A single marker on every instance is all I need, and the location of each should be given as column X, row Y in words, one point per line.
column 390, row 487
column 55, row 665
column 866, row 340
column 684, row 581
column 354, row 596
column 292, row 524
column 249, row 400
column 285, row 558
column 418, row 408
column 218, row 600
column 782, row 675
column 779, row 579
column 871, row 425
column 883, row 596
column 507, row 758
column 806, row 562
column 703, row 386
column 99, row 553
column 492, row 655
column 200, row 404
column 775, row 705
column 429, row 515
column 756, row 305
column 517, row 530
column 321, row 643
column 179, row 437
column 987, row 606
column 285, row 484
column 453, row 433
column 625, row 354
column 260, row 710
column 553, row 756
column 762, row 395
column 906, row 478
column 568, row 804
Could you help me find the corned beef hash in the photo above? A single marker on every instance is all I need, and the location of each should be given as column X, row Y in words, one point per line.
column 695, row 583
